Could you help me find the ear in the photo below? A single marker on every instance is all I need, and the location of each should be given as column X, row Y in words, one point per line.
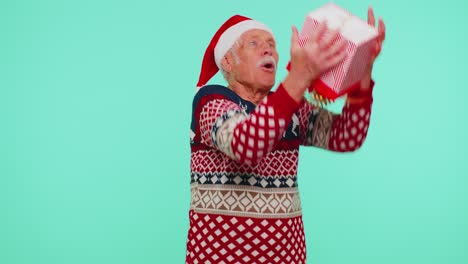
column 227, row 62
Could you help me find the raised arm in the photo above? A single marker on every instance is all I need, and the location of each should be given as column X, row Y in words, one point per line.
column 337, row 132
column 246, row 138
column 347, row 131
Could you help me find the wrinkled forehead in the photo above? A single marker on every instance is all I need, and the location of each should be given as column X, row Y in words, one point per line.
column 257, row 33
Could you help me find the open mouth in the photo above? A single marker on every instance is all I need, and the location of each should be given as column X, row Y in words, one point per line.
column 269, row 67
column 267, row 64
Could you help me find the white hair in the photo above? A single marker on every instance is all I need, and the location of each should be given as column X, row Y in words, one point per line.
column 233, row 51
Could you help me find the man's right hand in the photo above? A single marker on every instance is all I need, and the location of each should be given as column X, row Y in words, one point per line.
column 318, row 54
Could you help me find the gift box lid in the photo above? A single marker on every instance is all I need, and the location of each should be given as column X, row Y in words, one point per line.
column 350, row 26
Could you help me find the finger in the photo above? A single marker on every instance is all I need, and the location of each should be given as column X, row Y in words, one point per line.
column 294, row 37
column 381, row 29
column 318, row 32
column 329, row 38
column 335, row 49
column 323, row 32
column 336, row 59
column 378, row 49
column 370, row 16
column 375, row 53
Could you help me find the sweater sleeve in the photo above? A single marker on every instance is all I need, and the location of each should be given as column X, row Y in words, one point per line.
column 246, row 138
column 343, row 132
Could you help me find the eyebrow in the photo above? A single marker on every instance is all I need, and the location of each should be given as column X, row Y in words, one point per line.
column 270, row 39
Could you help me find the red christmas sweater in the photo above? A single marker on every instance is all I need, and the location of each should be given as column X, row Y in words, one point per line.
column 245, row 205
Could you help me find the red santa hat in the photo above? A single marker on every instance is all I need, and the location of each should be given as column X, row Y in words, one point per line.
column 222, row 41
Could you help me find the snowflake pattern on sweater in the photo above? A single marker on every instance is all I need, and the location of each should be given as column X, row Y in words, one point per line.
column 245, row 204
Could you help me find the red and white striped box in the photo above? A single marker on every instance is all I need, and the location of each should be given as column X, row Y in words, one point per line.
column 360, row 37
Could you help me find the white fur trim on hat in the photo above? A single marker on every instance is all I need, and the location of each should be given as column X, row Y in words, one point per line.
column 229, row 37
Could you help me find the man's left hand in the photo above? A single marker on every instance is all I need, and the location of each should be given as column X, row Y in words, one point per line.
column 365, row 82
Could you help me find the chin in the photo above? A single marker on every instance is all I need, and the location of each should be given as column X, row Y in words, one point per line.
column 268, row 81
column 266, row 87
column 269, row 84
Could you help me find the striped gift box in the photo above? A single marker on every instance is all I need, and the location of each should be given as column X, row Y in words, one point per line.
column 360, row 38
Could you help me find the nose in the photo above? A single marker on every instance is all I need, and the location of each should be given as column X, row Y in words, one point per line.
column 267, row 49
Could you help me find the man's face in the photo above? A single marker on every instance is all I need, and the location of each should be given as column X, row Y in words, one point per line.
column 257, row 60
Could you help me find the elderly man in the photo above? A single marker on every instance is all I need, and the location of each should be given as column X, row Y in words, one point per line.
column 245, row 138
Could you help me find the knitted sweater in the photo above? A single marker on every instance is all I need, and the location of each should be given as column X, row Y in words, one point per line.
column 245, row 205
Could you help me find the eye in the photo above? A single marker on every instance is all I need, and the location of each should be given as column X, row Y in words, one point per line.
column 271, row 43
column 253, row 43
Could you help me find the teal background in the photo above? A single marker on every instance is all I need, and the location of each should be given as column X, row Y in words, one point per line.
column 95, row 101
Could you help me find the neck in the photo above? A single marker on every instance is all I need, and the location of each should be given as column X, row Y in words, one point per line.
column 252, row 94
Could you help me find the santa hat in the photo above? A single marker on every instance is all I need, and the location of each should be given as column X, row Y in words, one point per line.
column 222, row 41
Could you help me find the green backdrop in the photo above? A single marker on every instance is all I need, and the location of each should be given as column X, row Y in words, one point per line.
column 95, row 101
